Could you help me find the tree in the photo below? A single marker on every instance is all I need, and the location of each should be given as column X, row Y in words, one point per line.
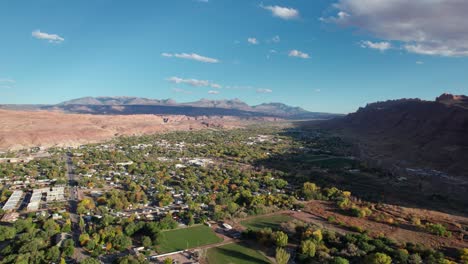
column 308, row 248
column 7, row 232
column 81, row 223
column 464, row 256
column 53, row 254
column 378, row 258
column 282, row 257
column 414, row 259
column 68, row 248
column 146, row 241
column 281, row 239
column 311, row 191
column 168, row 261
column 339, row 260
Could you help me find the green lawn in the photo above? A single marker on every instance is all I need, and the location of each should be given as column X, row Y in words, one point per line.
column 235, row 254
column 183, row 238
column 273, row 221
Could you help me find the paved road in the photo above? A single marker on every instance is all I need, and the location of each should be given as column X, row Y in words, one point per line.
column 73, row 203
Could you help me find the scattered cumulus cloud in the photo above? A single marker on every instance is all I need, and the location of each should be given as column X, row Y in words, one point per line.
column 179, row 90
column 53, row 38
column 427, row 27
column 213, row 92
column 263, row 90
column 7, row 80
column 6, row 83
column 382, row 46
column 194, row 82
column 298, row 54
column 286, row 13
column 190, row 56
column 252, row 41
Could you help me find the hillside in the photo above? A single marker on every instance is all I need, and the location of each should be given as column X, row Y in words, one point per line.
column 411, row 132
column 125, row 105
column 24, row 129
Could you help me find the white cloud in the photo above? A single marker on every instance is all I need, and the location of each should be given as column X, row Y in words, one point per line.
column 428, row 27
column 191, row 56
column 276, row 39
column 5, row 80
column 179, row 90
column 419, row 62
column 298, row 54
column 263, row 90
column 317, row 90
column 252, row 41
column 382, row 46
column 213, row 92
column 50, row 37
column 282, row 12
column 194, row 82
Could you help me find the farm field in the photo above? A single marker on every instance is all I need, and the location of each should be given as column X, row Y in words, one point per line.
column 273, row 222
column 235, row 253
column 180, row 239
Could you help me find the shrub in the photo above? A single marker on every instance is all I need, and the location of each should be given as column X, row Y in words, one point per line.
column 378, row 258
column 437, row 229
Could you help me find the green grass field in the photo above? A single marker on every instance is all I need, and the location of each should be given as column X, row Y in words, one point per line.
column 273, row 221
column 183, row 238
column 235, row 254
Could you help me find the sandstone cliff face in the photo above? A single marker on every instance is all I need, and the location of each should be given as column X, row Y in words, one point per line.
column 421, row 133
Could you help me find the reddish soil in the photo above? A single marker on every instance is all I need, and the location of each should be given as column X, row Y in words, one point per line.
column 24, row 129
column 403, row 231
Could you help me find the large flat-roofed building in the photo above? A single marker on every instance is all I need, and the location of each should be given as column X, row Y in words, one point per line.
column 13, row 201
column 52, row 194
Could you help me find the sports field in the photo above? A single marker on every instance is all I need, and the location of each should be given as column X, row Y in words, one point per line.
column 235, row 253
column 184, row 238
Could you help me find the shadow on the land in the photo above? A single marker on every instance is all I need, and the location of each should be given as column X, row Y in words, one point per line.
column 240, row 256
column 366, row 179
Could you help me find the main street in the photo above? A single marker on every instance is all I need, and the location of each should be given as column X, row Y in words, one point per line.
column 73, row 200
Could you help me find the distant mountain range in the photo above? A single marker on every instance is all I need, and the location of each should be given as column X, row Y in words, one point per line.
column 124, row 105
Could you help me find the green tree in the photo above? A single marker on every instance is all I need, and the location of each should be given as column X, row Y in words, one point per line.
column 308, row 248
column 7, row 232
column 378, row 258
column 464, row 256
column 339, row 260
column 53, row 254
column 68, row 248
column 415, row 259
column 281, row 239
column 146, row 241
column 282, row 257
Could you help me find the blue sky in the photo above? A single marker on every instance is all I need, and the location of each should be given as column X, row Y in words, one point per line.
column 331, row 56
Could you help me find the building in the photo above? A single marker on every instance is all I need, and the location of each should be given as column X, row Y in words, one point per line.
column 52, row 194
column 13, row 201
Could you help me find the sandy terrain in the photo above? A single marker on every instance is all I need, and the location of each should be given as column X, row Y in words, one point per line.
column 23, row 129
